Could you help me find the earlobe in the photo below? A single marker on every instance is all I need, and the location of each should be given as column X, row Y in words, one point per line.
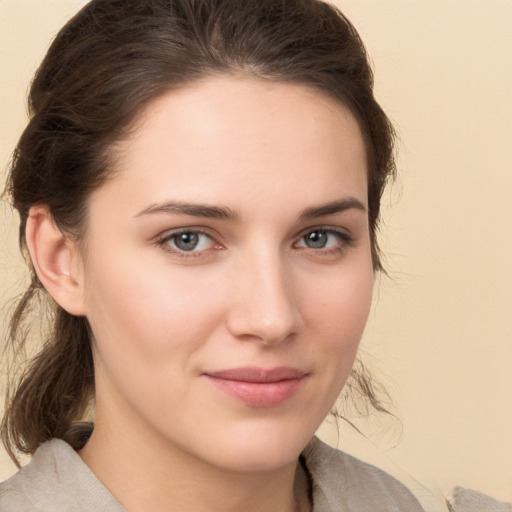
column 56, row 260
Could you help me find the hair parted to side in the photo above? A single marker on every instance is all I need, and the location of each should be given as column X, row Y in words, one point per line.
column 105, row 65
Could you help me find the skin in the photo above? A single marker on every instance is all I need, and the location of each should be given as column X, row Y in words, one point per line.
column 252, row 293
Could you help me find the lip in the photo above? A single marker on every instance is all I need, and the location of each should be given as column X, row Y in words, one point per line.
column 259, row 387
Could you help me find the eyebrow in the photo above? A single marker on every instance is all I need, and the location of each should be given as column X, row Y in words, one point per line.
column 225, row 213
column 339, row 206
column 195, row 210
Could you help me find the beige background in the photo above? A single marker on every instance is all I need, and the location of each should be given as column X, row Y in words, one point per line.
column 441, row 331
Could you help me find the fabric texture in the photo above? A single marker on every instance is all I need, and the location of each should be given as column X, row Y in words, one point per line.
column 57, row 480
column 342, row 483
column 469, row 500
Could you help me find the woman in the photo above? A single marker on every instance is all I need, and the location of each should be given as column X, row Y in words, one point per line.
column 198, row 189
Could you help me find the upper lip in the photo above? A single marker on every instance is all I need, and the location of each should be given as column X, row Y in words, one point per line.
column 260, row 375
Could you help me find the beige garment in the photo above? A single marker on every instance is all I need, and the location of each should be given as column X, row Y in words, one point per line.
column 342, row 483
column 469, row 500
column 57, row 480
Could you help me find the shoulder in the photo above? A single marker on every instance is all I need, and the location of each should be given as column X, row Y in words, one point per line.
column 342, row 482
column 18, row 493
column 56, row 480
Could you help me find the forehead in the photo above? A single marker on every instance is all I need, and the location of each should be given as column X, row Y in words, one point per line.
column 225, row 138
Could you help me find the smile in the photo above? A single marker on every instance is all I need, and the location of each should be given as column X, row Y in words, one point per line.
column 257, row 387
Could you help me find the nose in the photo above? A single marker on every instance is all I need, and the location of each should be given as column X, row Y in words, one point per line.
column 264, row 305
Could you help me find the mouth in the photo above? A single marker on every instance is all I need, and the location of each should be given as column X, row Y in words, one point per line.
column 259, row 387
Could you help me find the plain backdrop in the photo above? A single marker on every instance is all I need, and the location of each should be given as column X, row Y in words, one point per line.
column 440, row 334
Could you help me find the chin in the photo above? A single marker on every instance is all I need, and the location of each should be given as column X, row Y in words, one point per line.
column 261, row 449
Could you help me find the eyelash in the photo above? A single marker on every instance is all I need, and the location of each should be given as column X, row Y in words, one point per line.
column 164, row 240
column 345, row 240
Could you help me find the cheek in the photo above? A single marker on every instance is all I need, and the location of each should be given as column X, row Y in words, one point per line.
column 338, row 312
column 335, row 309
column 150, row 328
column 341, row 305
column 149, row 313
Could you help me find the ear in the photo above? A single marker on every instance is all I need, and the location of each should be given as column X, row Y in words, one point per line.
column 56, row 260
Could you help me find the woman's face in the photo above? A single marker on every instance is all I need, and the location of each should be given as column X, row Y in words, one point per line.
column 228, row 271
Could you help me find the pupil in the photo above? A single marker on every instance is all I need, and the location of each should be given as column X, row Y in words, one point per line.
column 187, row 241
column 316, row 240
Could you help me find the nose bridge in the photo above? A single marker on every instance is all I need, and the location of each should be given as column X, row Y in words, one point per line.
column 264, row 306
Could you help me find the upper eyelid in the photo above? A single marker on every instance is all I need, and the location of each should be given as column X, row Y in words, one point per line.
column 328, row 229
column 169, row 233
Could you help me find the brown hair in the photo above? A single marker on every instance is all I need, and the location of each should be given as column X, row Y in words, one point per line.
column 104, row 66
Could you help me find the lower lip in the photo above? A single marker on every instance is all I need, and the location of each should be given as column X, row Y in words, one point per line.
column 259, row 394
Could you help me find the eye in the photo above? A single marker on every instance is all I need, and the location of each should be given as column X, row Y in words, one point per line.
column 187, row 241
column 317, row 240
column 324, row 239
